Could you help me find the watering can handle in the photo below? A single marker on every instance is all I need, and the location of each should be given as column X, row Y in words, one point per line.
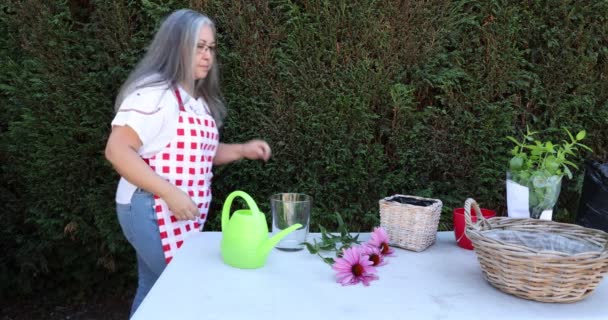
column 226, row 209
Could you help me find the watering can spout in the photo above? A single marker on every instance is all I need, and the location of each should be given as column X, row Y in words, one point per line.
column 269, row 243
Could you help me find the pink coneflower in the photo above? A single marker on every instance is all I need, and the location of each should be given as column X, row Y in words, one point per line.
column 379, row 239
column 374, row 255
column 354, row 267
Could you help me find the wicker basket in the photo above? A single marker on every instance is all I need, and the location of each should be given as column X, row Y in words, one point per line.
column 412, row 227
column 546, row 276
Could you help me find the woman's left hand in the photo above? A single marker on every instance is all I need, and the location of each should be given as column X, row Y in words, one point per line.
column 256, row 150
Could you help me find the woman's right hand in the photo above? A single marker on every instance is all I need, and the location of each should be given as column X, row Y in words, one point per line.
column 181, row 205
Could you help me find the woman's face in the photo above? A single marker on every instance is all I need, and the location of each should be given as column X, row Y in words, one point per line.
column 205, row 52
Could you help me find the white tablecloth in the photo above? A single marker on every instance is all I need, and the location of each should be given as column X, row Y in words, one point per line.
column 442, row 282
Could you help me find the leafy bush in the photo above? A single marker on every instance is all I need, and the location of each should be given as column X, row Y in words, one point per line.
column 358, row 99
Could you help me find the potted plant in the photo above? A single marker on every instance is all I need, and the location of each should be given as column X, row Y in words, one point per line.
column 536, row 171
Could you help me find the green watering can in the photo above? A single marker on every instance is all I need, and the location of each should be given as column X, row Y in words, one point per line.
column 245, row 243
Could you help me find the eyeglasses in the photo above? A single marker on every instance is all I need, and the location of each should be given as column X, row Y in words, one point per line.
column 204, row 48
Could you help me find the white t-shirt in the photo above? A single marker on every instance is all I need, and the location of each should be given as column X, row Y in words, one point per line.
column 152, row 112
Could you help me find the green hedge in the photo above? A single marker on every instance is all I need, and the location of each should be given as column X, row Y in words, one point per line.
column 358, row 99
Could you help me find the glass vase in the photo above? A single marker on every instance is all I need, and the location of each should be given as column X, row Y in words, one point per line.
column 539, row 189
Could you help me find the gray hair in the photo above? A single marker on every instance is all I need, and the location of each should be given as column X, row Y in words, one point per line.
column 169, row 58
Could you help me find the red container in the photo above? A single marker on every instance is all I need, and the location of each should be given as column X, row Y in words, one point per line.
column 460, row 224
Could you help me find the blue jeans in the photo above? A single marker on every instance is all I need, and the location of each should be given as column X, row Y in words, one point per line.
column 139, row 225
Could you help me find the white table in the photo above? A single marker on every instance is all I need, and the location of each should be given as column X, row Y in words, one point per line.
column 442, row 282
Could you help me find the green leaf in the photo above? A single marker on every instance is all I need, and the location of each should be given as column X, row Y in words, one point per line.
column 571, row 164
column 551, row 163
column 514, row 141
column 581, row 135
column 339, row 219
column 327, row 246
column 313, row 249
column 341, row 226
column 530, row 133
column 568, row 172
column 324, row 233
column 569, row 134
column 516, row 163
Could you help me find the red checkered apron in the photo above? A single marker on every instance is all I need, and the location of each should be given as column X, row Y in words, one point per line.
column 186, row 163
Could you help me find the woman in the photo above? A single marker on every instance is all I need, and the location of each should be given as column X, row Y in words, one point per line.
column 164, row 141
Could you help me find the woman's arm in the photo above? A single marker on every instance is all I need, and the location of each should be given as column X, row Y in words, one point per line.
column 253, row 150
column 121, row 151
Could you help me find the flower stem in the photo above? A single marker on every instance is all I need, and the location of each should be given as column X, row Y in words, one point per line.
column 329, row 261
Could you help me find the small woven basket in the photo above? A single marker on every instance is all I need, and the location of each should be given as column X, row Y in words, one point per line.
column 533, row 274
column 410, row 226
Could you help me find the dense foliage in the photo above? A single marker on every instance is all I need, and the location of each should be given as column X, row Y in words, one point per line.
column 359, row 100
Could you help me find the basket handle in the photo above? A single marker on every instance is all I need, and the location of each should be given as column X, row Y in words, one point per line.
column 467, row 213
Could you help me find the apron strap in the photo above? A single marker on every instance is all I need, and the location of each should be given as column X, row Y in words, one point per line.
column 179, row 99
column 181, row 108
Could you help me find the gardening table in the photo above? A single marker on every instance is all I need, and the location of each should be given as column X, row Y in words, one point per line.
column 442, row 282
